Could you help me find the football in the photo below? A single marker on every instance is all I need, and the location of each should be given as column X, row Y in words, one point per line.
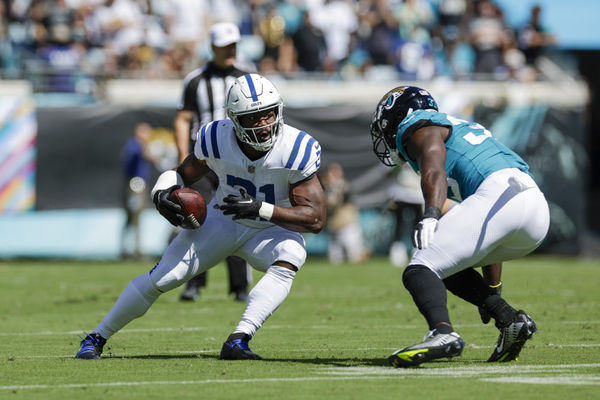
column 192, row 205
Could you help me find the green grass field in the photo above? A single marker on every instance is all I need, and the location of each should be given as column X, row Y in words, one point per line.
column 330, row 339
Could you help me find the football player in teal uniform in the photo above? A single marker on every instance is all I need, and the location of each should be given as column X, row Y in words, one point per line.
column 501, row 215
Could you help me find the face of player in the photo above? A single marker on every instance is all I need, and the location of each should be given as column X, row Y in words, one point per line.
column 261, row 124
column 224, row 57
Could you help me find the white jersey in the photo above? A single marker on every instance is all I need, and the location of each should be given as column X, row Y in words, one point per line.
column 294, row 157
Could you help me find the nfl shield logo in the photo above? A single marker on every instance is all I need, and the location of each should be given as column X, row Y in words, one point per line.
column 251, row 169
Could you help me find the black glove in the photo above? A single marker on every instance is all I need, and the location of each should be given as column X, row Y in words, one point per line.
column 243, row 206
column 171, row 211
column 485, row 316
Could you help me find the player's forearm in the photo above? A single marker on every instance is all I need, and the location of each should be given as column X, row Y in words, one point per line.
column 434, row 187
column 303, row 219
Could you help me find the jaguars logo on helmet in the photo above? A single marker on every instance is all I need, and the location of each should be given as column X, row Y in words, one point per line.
column 393, row 107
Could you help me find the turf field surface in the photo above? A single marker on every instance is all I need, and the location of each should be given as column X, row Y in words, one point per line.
column 329, row 340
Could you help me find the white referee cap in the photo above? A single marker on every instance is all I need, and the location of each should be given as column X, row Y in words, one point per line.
column 223, row 34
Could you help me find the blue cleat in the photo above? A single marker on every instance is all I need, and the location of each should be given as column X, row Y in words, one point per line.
column 91, row 347
column 236, row 348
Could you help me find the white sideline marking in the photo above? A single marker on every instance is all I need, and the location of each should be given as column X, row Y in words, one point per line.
column 477, row 346
column 551, row 380
column 228, row 381
column 377, row 373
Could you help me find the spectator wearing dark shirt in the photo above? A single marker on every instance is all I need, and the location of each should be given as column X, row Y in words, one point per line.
column 533, row 37
column 310, row 46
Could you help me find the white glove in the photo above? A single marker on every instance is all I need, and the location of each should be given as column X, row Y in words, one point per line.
column 423, row 233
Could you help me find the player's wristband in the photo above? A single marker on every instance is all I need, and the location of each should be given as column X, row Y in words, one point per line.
column 266, row 210
column 166, row 180
column 432, row 212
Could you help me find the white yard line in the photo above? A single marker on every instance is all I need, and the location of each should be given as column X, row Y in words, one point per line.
column 550, row 380
column 513, row 374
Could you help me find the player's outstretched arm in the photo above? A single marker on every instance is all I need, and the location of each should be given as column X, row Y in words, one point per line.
column 427, row 147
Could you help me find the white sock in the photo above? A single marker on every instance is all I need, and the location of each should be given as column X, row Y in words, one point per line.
column 134, row 301
column 265, row 297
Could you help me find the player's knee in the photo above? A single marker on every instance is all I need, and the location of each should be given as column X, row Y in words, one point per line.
column 165, row 281
column 146, row 286
column 415, row 273
column 291, row 253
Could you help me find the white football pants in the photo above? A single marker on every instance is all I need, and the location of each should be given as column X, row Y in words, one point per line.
column 196, row 250
column 506, row 218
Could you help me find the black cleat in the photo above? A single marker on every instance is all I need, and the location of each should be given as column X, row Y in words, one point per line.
column 236, row 348
column 91, row 347
column 513, row 337
column 435, row 345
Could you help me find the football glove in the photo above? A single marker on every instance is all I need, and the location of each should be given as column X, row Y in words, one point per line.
column 425, row 229
column 168, row 209
column 423, row 233
column 243, row 206
column 485, row 316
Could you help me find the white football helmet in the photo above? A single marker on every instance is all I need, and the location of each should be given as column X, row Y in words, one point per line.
column 249, row 94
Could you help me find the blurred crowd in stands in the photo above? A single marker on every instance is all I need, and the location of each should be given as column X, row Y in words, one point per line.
column 78, row 41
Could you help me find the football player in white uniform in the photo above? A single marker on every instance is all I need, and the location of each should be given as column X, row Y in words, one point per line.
column 501, row 215
column 268, row 193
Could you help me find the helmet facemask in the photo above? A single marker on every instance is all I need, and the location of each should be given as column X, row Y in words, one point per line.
column 250, row 99
column 384, row 146
column 250, row 135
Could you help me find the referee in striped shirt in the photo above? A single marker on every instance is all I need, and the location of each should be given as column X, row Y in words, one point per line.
column 203, row 101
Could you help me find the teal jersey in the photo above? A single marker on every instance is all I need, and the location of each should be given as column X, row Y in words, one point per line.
column 472, row 154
